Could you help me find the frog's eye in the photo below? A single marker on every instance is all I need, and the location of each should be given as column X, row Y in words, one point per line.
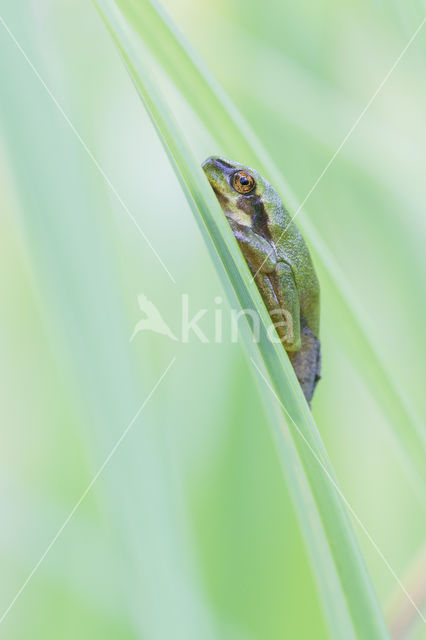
column 243, row 182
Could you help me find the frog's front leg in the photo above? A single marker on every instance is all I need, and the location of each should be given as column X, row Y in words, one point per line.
column 288, row 303
column 275, row 282
column 257, row 251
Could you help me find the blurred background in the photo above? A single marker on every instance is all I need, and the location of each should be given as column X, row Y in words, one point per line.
column 189, row 531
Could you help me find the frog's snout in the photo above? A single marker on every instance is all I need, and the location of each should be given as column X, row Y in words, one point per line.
column 207, row 167
column 207, row 162
column 217, row 169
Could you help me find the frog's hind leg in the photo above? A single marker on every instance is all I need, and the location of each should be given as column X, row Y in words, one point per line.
column 307, row 362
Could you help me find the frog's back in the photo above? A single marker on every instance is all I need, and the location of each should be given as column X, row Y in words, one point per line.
column 293, row 249
column 307, row 360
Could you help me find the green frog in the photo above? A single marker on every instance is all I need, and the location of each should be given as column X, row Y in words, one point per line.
column 278, row 258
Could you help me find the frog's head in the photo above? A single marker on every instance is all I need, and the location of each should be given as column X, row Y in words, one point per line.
column 244, row 195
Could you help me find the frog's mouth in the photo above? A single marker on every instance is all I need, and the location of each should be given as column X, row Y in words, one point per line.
column 223, row 200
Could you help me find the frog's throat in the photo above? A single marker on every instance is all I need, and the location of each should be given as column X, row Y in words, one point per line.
column 240, row 217
column 223, row 200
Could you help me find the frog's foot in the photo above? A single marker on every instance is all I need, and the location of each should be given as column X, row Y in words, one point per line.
column 307, row 363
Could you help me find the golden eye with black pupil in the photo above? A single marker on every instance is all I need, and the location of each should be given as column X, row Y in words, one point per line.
column 243, row 182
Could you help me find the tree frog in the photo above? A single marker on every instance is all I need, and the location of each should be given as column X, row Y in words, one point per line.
column 278, row 258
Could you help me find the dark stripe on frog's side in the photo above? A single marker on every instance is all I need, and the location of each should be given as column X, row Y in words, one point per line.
column 253, row 206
